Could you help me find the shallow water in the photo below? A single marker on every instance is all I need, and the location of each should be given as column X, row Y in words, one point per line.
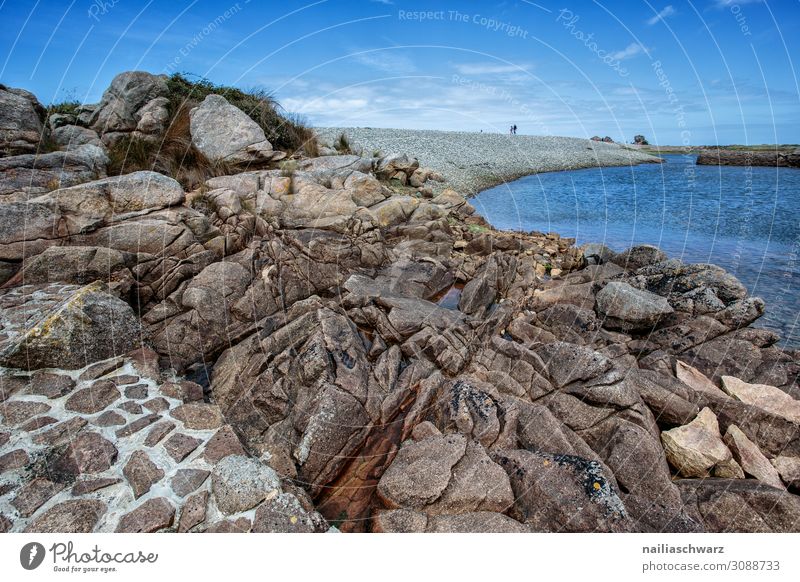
column 746, row 220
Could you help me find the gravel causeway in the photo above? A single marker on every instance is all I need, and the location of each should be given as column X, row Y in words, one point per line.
column 472, row 162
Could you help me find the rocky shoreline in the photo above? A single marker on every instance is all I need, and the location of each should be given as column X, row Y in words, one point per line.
column 774, row 158
column 339, row 343
column 473, row 161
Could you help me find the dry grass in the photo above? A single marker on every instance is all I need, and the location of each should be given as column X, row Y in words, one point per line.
column 286, row 132
column 174, row 155
column 342, row 144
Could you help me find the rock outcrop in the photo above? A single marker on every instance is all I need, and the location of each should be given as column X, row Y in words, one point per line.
column 21, row 125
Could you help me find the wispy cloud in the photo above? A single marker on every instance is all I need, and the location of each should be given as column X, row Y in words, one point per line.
column 668, row 10
column 728, row 3
column 490, row 68
column 385, row 2
column 386, row 61
column 628, row 52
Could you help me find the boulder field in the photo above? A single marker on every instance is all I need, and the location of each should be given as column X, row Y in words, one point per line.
column 316, row 348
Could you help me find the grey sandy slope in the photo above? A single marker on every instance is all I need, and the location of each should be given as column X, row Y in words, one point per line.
column 473, row 161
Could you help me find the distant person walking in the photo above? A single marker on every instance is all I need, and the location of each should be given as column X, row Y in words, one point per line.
column 514, row 129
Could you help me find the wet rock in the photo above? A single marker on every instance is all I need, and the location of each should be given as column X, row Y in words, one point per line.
column 240, row 483
column 72, row 516
column 141, row 473
column 151, row 516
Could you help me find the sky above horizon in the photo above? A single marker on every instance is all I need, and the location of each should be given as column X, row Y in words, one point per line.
column 679, row 72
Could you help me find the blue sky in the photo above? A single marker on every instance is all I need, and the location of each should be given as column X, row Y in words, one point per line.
column 702, row 72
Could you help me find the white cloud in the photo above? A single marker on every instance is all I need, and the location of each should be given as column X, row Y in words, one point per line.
column 386, row 61
column 668, row 10
column 385, row 2
column 489, row 68
column 628, row 52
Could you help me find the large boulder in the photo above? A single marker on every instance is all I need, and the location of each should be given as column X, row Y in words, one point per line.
column 697, row 449
column 639, row 256
column 20, row 122
column 627, row 308
column 766, row 397
column 225, row 133
column 121, row 107
column 66, row 327
column 71, row 136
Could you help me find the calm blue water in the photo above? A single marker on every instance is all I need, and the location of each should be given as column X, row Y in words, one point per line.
column 746, row 220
